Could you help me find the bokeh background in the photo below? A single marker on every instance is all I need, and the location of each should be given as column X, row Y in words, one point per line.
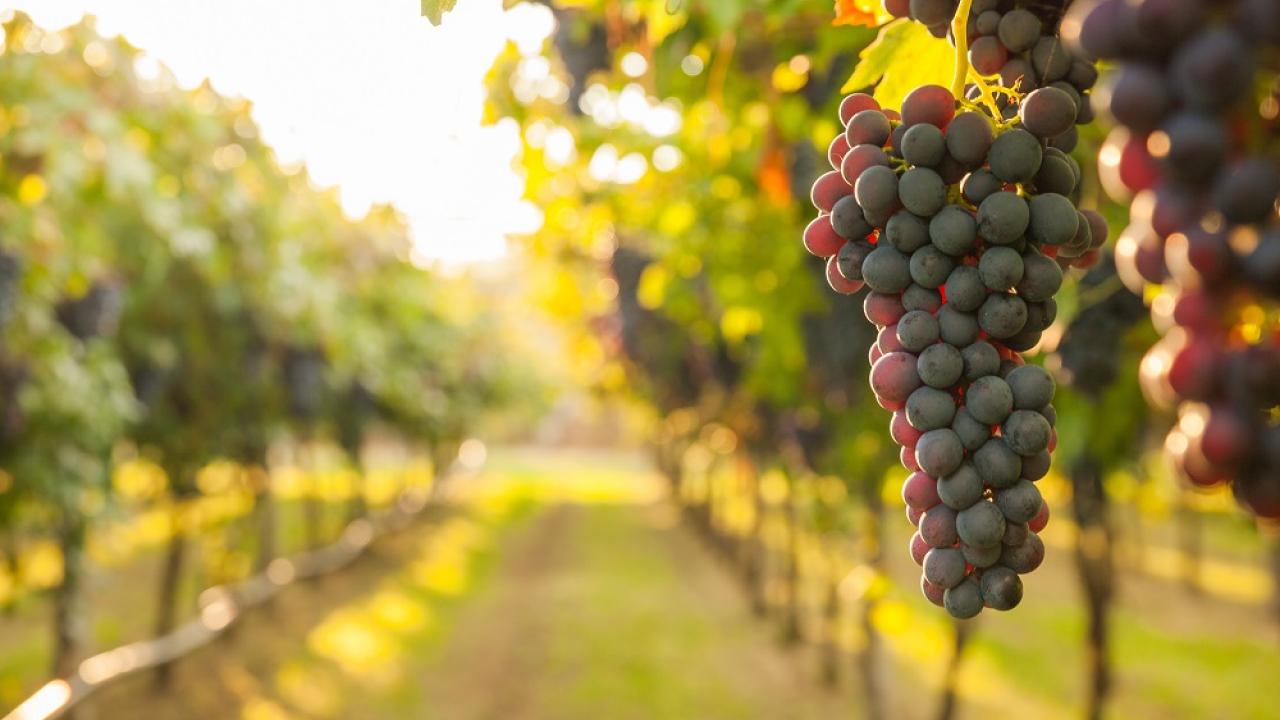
column 378, row 368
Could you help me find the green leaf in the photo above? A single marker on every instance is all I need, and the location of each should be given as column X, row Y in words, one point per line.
column 434, row 10
column 904, row 57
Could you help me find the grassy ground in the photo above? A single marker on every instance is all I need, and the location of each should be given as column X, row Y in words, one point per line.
column 562, row 587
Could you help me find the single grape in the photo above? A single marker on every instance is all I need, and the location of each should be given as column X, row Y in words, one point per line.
column 837, row 281
column 907, row 232
column 847, row 220
column 981, row 525
column 1023, row 558
column 868, row 127
column 820, row 238
column 1050, row 60
column 921, row 491
column 1082, row 74
column 1015, row 155
column 1139, row 97
column 1026, row 432
column 969, row 138
column 930, row 266
column 853, row 104
column 989, row 399
column 1019, row 503
column 1002, row 315
column 1036, row 466
column 1047, row 112
column 961, row 489
column 1195, row 146
column 1018, row 74
column 917, row 330
column 981, row 557
column 1031, row 387
column 1247, row 189
column 1001, row 588
column 938, row 526
column 918, row 548
column 987, row 23
column 999, row 466
column 940, row 365
column 836, row 151
column 1040, row 315
column 1000, row 268
column 981, row 359
column 923, row 145
column 1041, row 277
column 939, row 452
column 882, row 308
column 964, row 288
column 1019, row 30
column 886, row 270
column 877, row 189
column 894, row 376
column 930, row 409
column 987, row 55
column 1056, row 174
column 849, row 259
column 963, row 601
column 1002, row 218
column 956, row 327
column 980, row 184
column 1212, row 70
column 922, row 191
column 858, row 159
column 953, row 230
column 1015, row 533
column 972, row 433
column 931, row 104
column 917, row 297
column 827, row 189
column 944, row 567
column 1053, row 219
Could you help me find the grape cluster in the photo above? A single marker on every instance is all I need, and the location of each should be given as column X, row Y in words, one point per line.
column 1017, row 43
column 960, row 228
column 1196, row 97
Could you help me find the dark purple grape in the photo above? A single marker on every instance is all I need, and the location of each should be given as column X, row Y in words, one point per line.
column 989, row 400
column 1047, row 112
column 963, row 601
column 962, row 488
column 1001, row 588
column 1002, row 218
column 999, row 466
column 922, row 191
column 1019, row 30
column 969, row 138
column 944, row 567
column 868, row 127
column 886, row 270
column 964, row 288
column 1015, row 155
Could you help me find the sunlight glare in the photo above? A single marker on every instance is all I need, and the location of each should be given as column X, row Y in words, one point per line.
column 371, row 97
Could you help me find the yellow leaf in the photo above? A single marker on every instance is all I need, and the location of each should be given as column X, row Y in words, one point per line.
column 870, row 13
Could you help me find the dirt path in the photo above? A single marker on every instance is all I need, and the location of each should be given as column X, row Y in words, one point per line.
column 577, row 611
column 613, row 611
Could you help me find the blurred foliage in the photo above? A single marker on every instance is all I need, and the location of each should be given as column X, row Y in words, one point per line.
column 172, row 292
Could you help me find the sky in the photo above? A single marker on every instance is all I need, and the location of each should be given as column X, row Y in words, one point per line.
column 368, row 94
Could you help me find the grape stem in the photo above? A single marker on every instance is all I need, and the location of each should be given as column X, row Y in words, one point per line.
column 959, row 29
